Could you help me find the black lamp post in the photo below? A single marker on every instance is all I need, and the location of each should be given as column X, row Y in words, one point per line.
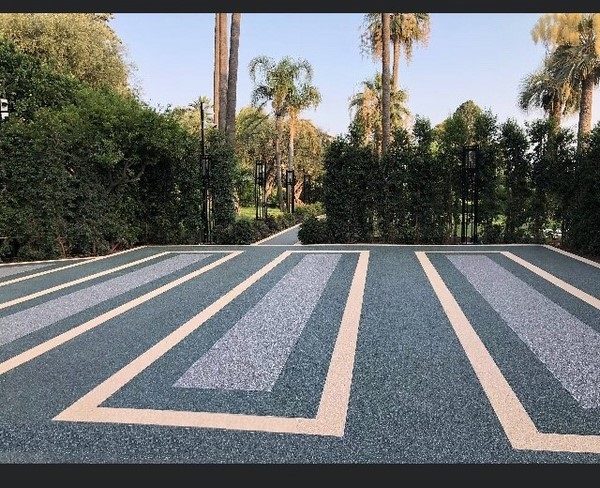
column 206, row 193
column 290, row 183
column 306, row 189
column 260, row 182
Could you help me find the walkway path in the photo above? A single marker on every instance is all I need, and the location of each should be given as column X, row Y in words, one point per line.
column 286, row 237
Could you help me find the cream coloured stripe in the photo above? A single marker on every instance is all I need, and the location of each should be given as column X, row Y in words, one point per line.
column 336, row 393
column 518, row 426
column 42, row 261
column 331, row 415
column 593, row 301
column 574, row 256
column 92, row 260
column 90, row 324
column 78, row 281
column 476, row 251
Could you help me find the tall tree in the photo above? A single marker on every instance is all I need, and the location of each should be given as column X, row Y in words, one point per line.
column 385, row 84
column 406, row 30
column 232, row 76
column 517, row 174
column 83, row 45
column 365, row 109
column 280, row 83
column 216, row 70
column 222, row 18
column 189, row 117
column 575, row 39
column 301, row 97
column 541, row 89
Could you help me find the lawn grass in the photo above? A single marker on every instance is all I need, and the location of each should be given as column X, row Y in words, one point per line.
column 250, row 212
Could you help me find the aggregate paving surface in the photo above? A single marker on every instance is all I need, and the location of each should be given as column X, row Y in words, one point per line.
column 279, row 353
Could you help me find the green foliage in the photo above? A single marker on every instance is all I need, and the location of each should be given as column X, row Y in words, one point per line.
column 527, row 179
column 349, row 187
column 366, row 107
column 242, row 231
column 90, row 171
column 246, row 230
column 277, row 222
column 516, row 187
column 29, row 86
column 80, row 44
column 309, row 210
column 223, row 166
column 313, row 231
column 583, row 216
column 254, row 142
column 287, row 85
column 426, row 215
column 552, row 160
column 485, row 129
column 390, row 197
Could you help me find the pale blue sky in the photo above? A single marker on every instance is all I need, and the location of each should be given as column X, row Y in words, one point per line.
column 477, row 56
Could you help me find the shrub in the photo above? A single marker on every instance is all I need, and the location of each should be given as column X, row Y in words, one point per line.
column 313, row 231
column 242, row 231
column 309, row 209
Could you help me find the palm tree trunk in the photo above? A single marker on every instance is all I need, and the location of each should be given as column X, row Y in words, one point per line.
column 222, row 70
column 216, row 73
column 396, row 64
column 232, row 77
column 291, row 142
column 291, row 151
column 385, row 83
column 278, row 162
column 585, row 112
column 555, row 115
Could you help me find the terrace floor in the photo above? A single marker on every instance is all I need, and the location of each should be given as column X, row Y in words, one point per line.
column 283, row 353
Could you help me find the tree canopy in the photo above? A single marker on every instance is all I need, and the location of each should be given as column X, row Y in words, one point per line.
column 82, row 44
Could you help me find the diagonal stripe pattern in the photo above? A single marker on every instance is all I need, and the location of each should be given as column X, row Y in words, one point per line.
column 21, row 323
column 252, row 354
column 568, row 347
column 13, row 270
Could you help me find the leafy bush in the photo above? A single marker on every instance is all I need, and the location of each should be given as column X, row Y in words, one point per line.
column 313, row 230
column 309, row 209
column 242, row 231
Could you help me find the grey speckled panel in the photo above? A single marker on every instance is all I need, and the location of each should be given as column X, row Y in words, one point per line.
column 19, row 324
column 12, row 270
column 569, row 348
column 252, row 354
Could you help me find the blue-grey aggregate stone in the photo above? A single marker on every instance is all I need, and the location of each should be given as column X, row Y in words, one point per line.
column 251, row 355
column 569, row 348
column 21, row 323
column 13, row 270
column 414, row 398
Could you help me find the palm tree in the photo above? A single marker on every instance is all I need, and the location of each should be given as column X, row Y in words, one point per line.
column 280, row 83
column 302, row 97
column 232, row 77
column 574, row 40
column 385, row 84
column 406, row 30
column 223, row 42
column 366, row 109
column 216, row 71
column 541, row 89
